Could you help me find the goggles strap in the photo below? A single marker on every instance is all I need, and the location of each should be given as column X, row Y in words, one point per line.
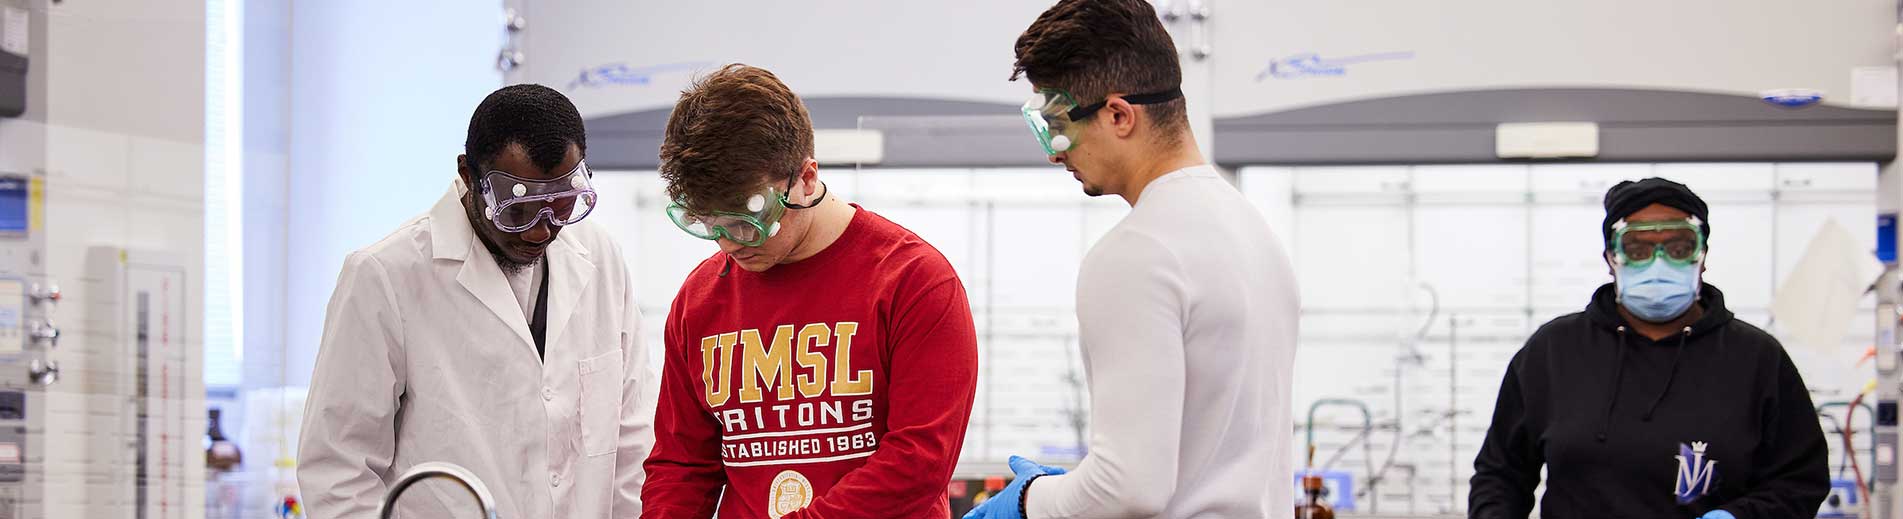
column 815, row 203
column 1084, row 112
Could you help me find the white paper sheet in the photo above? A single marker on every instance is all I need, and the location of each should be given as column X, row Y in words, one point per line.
column 1814, row 306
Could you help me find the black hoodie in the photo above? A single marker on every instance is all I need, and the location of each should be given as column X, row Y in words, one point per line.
column 1610, row 413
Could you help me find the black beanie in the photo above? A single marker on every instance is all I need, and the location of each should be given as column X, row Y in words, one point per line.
column 1629, row 197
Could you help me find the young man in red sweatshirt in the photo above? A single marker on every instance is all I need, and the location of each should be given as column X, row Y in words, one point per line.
column 823, row 363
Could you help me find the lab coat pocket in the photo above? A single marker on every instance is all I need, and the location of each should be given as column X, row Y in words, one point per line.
column 601, row 403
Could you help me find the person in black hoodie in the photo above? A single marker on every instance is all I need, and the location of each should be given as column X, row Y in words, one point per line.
column 1654, row 402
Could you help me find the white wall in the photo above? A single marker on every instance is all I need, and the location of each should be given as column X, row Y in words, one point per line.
column 267, row 141
column 381, row 94
column 937, row 50
column 1728, row 46
column 950, row 50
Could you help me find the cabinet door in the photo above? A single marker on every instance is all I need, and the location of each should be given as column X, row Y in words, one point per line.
column 1470, row 234
column 1351, row 237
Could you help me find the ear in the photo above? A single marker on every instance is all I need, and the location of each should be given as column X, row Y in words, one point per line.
column 467, row 172
column 809, row 176
column 1121, row 115
column 1611, row 270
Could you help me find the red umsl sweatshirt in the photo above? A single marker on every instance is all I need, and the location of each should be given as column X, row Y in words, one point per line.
column 838, row 386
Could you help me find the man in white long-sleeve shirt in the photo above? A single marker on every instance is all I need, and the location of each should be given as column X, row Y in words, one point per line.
column 1187, row 308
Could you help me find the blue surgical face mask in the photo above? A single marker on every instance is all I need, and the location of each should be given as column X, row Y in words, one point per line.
column 1659, row 291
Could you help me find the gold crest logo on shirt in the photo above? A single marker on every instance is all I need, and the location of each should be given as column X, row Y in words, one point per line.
column 790, row 492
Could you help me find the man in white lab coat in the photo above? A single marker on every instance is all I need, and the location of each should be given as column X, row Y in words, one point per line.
column 497, row 332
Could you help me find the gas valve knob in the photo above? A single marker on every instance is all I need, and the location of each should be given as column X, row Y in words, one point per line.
column 46, row 332
column 46, row 293
column 43, row 373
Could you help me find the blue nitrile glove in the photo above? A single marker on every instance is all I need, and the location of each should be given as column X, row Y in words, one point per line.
column 1718, row 514
column 1004, row 504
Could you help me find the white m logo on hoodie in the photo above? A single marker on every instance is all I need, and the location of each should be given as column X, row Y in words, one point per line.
column 1695, row 473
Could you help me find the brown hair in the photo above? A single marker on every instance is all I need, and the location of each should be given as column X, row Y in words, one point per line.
column 731, row 130
column 1094, row 48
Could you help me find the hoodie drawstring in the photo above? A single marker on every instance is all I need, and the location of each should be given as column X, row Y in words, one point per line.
column 1618, row 374
column 1670, row 376
column 1674, row 373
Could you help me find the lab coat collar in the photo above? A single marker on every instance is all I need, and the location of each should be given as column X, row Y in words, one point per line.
column 451, row 238
column 449, row 230
column 568, row 270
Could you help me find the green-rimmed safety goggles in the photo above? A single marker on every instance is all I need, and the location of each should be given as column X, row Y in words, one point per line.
column 1053, row 115
column 1680, row 242
column 752, row 227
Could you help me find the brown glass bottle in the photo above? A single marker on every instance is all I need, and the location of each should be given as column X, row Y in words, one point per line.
column 1314, row 507
column 220, row 454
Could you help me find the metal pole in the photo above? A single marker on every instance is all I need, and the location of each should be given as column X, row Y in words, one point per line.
column 1883, row 502
column 1453, row 411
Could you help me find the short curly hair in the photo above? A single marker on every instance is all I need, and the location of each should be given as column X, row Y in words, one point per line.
column 540, row 119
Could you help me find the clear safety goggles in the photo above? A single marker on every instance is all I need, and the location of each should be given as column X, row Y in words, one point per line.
column 752, row 227
column 515, row 203
column 1053, row 115
column 1679, row 242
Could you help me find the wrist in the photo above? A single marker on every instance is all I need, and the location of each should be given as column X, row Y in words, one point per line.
column 1024, row 496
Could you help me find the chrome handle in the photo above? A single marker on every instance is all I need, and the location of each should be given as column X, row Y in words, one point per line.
column 1199, row 11
column 437, row 469
column 1168, row 10
column 45, row 331
column 47, row 293
column 511, row 56
column 513, row 21
column 509, row 59
column 46, row 373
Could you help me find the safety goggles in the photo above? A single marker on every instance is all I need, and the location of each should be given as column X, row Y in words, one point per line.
column 752, row 227
column 1053, row 115
column 516, row 203
column 1679, row 242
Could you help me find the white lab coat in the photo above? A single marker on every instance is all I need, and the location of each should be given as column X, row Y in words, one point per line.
column 427, row 357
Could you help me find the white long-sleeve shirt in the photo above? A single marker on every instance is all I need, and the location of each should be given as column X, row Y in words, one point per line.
column 1187, row 311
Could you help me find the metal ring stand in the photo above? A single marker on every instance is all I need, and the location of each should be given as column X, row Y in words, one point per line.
column 434, row 469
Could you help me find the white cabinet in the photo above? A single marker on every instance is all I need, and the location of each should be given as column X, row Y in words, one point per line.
column 1488, row 179
column 1813, row 194
column 1582, row 181
column 1351, row 256
column 1826, row 177
column 1351, row 180
column 1470, row 234
column 1272, row 191
column 1567, row 256
column 1349, row 236
column 1724, row 180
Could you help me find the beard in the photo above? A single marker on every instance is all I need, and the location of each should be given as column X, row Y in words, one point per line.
column 512, row 267
column 508, row 265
